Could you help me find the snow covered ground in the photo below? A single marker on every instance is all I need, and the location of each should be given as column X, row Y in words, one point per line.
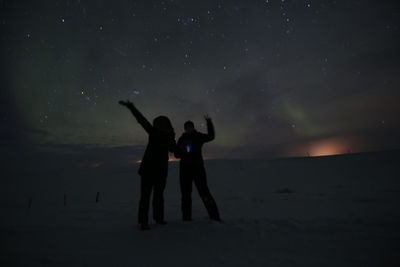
column 328, row 211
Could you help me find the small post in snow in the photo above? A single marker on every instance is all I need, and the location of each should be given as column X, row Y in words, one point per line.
column 30, row 202
column 97, row 197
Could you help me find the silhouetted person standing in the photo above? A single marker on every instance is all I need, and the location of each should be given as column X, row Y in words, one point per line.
column 192, row 169
column 154, row 166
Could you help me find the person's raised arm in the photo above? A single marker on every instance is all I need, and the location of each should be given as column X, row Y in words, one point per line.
column 210, row 130
column 139, row 116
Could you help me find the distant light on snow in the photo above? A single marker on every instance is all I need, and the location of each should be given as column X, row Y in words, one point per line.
column 170, row 159
column 96, row 164
column 136, row 92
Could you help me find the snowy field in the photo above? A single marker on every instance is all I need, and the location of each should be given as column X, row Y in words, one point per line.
column 328, row 211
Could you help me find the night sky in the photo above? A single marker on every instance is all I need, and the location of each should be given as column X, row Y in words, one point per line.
column 278, row 77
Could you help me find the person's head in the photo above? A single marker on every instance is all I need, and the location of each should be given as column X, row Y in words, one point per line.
column 162, row 124
column 189, row 127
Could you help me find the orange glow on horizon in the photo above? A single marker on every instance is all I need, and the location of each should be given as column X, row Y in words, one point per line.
column 325, row 147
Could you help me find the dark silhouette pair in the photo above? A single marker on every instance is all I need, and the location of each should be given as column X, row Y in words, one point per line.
column 153, row 169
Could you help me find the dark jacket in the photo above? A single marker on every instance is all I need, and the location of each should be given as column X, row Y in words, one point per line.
column 189, row 145
column 155, row 158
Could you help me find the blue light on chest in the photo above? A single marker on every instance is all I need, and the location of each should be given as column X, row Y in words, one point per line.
column 188, row 148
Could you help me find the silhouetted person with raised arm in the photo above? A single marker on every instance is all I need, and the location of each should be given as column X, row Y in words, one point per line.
column 154, row 166
column 192, row 169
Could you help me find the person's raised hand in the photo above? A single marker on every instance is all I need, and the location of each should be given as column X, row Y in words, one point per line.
column 126, row 103
column 207, row 118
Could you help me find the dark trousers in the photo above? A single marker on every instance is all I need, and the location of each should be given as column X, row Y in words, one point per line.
column 147, row 185
column 196, row 174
